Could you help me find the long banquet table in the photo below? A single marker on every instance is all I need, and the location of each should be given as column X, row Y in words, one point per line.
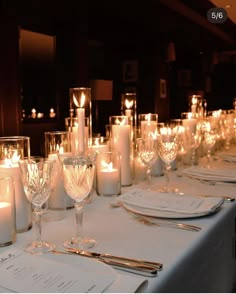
column 203, row 261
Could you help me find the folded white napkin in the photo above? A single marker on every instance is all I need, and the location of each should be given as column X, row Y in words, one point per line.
column 172, row 202
column 226, row 174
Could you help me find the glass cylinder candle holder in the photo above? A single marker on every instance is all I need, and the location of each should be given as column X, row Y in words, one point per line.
column 108, row 174
column 189, row 121
column 73, row 126
column 197, row 105
column 121, row 140
column 148, row 124
column 81, row 108
column 7, row 211
column 57, row 142
column 99, row 144
column 12, row 149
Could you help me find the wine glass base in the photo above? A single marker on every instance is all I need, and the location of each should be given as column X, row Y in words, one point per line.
column 40, row 247
column 81, row 244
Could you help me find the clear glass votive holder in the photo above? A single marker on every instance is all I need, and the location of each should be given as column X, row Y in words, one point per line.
column 7, row 211
column 12, row 149
column 148, row 124
column 79, row 137
column 57, row 142
column 108, row 173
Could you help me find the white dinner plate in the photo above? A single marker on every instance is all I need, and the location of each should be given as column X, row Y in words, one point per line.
column 226, row 175
column 167, row 214
column 169, row 205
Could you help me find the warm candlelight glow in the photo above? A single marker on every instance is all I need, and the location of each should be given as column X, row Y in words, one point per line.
column 33, row 113
column 107, row 166
column 129, row 103
column 52, row 113
column 121, row 122
column 194, row 100
column 13, row 160
column 148, row 117
column 82, row 100
column 59, row 149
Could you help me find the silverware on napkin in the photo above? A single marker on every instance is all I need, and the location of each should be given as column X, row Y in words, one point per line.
column 136, row 266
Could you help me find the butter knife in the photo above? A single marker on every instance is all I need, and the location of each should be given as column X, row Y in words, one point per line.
column 122, row 263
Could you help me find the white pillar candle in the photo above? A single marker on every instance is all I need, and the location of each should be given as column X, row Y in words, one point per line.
column 121, row 143
column 80, row 113
column 108, row 181
column 23, row 206
column 6, row 222
column 190, row 124
column 59, row 199
column 148, row 128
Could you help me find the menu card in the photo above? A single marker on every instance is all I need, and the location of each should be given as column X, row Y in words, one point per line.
column 24, row 272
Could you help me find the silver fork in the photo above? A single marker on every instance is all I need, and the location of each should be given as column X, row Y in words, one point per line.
column 171, row 224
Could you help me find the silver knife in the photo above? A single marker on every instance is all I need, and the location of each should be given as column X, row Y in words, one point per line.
column 157, row 265
column 122, row 263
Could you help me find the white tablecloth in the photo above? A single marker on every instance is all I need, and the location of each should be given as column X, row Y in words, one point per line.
column 193, row 261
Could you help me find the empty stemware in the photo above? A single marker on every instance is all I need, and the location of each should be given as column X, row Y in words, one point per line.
column 168, row 148
column 147, row 150
column 78, row 175
column 37, row 177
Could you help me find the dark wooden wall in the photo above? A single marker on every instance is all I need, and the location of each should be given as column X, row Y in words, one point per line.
column 95, row 41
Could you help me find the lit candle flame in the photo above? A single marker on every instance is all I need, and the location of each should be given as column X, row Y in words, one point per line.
column 82, row 100
column 107, row 166
column 194, row 100
column 14, row 159
column 129, row 103
column 120, row 122
column 148, row 117
column 59, row 149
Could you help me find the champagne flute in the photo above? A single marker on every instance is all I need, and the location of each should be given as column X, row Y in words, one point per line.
column 147, row 150
column 37, row 178
column 168, row 149
column 78, row 175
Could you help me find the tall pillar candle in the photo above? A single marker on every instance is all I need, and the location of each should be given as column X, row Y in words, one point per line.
column 121, row 141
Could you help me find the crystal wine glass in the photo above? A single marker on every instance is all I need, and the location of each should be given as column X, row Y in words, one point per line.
column 37, row 177
column 209, row 138
column 78, row 175
column 168, row 149
column 147, row 150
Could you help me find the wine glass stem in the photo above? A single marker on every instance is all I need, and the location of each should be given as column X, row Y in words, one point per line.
column 168, row 167
column 193, row 156
column 79, row 219
column 38, row 211
column 148, row 175
column 208, row 158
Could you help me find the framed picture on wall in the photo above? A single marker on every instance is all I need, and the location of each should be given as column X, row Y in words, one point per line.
column 130, row 71
column 163, row 93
